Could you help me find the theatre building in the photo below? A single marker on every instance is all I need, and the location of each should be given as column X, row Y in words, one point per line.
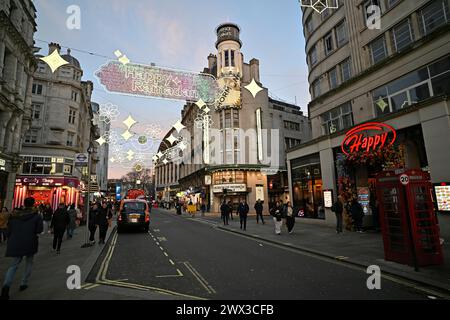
column 380, row 100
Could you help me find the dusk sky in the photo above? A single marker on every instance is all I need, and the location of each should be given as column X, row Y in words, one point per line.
column 180, row 35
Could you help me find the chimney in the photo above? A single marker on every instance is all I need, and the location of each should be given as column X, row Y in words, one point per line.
column 53, row 46
column 212, row 61
column 254, row 69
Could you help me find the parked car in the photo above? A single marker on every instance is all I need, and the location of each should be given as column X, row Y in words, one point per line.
column 133, row 214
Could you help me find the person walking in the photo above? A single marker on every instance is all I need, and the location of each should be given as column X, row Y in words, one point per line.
column 92, row 223
column 259, row 211
column 4, row 216
column 72, row 221
column 357, row 213
column 47, row 217
column 24, row 227
column 225, row 212
column 102, row 218
column 230, row 210
column 59, row 224
column 277, row 213
column 290, row 219
column 338, row 209
column 243, row 210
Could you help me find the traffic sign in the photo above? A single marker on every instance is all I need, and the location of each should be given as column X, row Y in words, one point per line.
column 81, row 159
column 404, row 179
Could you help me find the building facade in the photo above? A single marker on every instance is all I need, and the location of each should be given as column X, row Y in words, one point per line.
column 17, row 65
column 61, row 127
column 102, row 151
column 397, row 76
column 236, row 149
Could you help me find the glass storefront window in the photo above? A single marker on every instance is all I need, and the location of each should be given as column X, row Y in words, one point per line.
column 307, row 188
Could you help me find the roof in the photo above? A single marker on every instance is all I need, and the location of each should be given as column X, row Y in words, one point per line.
column 71, row 60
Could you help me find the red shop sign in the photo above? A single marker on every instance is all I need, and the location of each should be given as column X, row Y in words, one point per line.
column 368, row 137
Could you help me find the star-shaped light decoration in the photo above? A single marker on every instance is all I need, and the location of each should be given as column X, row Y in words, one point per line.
column 179, row 126
column 54, row 61
column 127, row 135
column 138, row 167
column 155, row 158
column 254, row 88
column 130, row 154
column 382, row 104
column 171, row 139
column 159, row 154
column 101, row 141
column 129, row 122
column 206, row 110
column 183, row 146
column 112, row 159
column 165, row 161
column 200, row 103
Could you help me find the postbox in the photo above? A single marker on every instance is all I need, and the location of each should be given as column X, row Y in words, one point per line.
column 408, row 222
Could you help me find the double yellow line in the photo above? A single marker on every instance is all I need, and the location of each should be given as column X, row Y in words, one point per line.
column 102, row 280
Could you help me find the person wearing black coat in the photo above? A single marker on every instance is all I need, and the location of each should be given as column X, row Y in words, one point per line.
column 357, row 214
column 101, row 220
column 60, row 221
column 243, row 210
column 23, row 229
column 225, row 212
column 92, row 223
column 259, row 211
column 338, row 209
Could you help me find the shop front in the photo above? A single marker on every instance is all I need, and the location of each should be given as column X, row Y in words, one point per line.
column 3, row 183
column 52, row 191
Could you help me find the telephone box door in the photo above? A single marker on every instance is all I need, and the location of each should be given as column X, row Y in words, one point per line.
column 393, row 219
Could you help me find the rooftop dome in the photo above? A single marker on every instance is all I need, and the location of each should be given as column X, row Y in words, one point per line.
column 71, row 60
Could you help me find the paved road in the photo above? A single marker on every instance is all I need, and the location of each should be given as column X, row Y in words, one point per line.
column 191, row 259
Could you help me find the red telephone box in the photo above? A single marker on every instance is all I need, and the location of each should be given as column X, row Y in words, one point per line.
column 408, row 222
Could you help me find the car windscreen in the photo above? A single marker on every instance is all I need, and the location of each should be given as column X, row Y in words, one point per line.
column 134, row 207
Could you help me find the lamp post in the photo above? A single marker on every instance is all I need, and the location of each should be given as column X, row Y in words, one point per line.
column 90, row 150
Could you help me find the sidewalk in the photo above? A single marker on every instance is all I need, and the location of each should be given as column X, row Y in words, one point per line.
column 350, row 247
column 49, row 277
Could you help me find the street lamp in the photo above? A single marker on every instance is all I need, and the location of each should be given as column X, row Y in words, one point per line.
column 90, row 150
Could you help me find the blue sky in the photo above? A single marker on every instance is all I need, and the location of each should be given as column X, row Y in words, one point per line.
column 178, row 34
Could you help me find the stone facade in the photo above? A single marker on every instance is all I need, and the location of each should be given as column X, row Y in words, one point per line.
column 17, row 65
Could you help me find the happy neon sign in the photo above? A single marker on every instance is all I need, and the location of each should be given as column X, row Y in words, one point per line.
column 368, row 137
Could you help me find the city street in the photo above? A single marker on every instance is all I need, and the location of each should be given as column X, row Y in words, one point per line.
column 193, row 259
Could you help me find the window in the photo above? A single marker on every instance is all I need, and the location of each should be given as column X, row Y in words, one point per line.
column 413, row 87
column 42, row 68
column 392, row 3
column 235, row 119
column 37, row 89
column 68, row 169
column 31, row 136
column 227, row 58
column 403, row 35
column 328, row 41
column 341, row 34
column 332, row 77
column 232, row 59
column 316, row 88
column 289, row 125
column 221, row 120
column 228, row 118
column 74, row 96
column 313, row 56
column 65, row 72
column 72, row 116
column 337, row 119
column 378, row 50
column 346, row 71
column 36, row 111
column 433, row 16
column 70, row 139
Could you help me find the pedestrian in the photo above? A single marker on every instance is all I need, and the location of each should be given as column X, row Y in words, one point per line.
column 277, row 213
column 47, row 217
column 60, row 222
column 230, row 210
column 79, row 216
column 225, row 212
column 259, row 211
column 92, row 223
column 4, row 216
column 357, row 213
column 290, row 219
column 72, row 221
column 338, row 209
column 24, row 226
column 375, row 207
column 102, row 218
column 243, row 210
column 203, row 208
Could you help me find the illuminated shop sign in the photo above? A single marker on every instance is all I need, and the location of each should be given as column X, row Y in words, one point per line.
column 151, row 81
column 38, row 181
column 368, row 137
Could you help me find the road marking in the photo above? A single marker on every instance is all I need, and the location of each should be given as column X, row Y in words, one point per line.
column 162, row 239
column 199, row 278
column 178, row 275
column 161, row 248
column 92, row 286
column 171, row 262
column 341, row 258
column 156, row 230
column 166, row 254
